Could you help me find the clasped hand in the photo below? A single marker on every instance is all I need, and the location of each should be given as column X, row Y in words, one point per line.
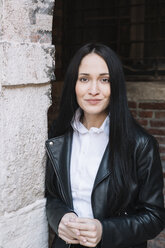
column 84, row 231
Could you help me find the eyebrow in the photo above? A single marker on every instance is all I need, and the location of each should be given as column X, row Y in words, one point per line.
column 87, row 74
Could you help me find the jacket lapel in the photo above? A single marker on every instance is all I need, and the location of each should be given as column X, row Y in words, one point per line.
column 64, row 168
column 104, row 168
column 60, row 150
column 101, row 187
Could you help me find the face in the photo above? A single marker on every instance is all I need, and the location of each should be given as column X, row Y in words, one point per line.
column 93, row 85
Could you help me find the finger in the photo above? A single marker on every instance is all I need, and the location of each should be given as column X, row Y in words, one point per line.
column 82, row 220
column 80, row 226
column 70, row 241
column 66, row 228
column 75, row 231
column 68, row 216
column 87, row 234
column 88, row 243
column 70, row 230
column 68, row 233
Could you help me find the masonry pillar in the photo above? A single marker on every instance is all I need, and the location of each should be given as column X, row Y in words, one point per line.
column 26, row 69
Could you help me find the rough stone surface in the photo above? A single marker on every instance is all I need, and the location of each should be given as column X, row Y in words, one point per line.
column 26, row 63
column 23, row 131
column 25, row 228
column 145, row 91
column 1, row 66
column 1, row 17
column 22, row 19
column 26, row 69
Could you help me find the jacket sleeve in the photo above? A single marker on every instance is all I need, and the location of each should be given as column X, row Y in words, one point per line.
column 56, row 208
column 133, row 229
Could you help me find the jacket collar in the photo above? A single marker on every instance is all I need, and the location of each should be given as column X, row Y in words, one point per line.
column 59, row 149
column 80, row 128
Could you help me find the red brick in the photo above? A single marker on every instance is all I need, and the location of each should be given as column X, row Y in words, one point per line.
column 143, row 122
column 160, row 139
column 162, row 149
column 34, row 37
column 132, row 104
column 156, row 131
column 146, row 114
column 159, row 114
column 134, row 113
column 157, row 123
column 152, row 105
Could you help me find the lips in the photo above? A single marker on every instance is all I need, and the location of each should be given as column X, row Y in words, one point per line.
column 93, row 101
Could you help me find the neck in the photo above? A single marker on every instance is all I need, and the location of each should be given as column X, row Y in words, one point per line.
column 93, row 120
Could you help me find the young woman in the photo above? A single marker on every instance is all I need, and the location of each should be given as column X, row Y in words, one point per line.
column 104, row 179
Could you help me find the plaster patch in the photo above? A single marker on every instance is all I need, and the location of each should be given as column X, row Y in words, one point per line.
column 26, row 63
column 25, row 228
column 23, row 131
column 23, row 18
column 1, row 19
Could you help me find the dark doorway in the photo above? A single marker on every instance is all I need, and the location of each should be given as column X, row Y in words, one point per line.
column 135, row 29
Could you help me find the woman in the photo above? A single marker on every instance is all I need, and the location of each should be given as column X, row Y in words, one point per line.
column 104, row 179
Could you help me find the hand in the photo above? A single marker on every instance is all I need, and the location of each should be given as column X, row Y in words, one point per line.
column 90, row 230
column 67, row 233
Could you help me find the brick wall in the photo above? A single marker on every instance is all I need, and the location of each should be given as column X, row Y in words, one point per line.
column 151, row 115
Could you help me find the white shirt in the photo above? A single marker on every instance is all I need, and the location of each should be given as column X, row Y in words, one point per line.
column 87, row 151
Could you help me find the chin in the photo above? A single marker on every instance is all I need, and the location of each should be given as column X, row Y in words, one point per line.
column 94, row 112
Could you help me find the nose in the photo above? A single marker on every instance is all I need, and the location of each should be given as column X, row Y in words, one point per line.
column 93, row 88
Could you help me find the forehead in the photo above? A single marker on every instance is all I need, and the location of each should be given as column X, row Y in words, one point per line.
column 93, row 63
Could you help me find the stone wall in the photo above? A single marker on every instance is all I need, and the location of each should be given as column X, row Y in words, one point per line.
column 26, row 69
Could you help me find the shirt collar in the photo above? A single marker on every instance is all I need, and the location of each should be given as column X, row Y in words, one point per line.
column 79, row 127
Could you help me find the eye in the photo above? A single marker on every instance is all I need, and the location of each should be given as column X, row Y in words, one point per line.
column 105, row 80
column 83, row 79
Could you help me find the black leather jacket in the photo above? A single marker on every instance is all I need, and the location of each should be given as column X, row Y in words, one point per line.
column 141, row 220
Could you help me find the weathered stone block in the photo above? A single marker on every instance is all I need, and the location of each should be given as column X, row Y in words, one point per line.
column 23, row 18
column 26, row 228
column 1, row 18
column 23, row 131
column 145, row 91
column 1, row 67
column 26, row 63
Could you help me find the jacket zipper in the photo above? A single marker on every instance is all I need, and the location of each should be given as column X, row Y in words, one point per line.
column 58, row 176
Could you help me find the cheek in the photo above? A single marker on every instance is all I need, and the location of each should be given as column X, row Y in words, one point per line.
column 107, row 92
column 78, row 92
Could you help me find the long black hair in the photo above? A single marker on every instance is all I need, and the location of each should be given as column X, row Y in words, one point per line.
column 121, row 121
